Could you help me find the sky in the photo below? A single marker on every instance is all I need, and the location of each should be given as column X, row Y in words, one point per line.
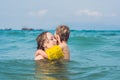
column 48, row 14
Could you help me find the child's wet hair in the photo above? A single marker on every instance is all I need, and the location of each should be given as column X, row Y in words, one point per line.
column 63, row 32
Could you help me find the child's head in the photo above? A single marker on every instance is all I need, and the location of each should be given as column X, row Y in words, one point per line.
column 45, row 40
column 63, row 32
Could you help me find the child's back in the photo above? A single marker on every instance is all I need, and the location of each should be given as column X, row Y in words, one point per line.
column 62, row 36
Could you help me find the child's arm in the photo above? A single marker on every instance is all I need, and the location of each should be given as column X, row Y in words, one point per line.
column 41, row 52
column 39, row 57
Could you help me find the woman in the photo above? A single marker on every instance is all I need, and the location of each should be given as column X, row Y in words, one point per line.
column 46, row 45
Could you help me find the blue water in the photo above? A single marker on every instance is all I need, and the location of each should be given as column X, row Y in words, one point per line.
column 95, row 55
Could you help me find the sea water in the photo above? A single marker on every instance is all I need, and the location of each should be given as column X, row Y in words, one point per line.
column 95, row 55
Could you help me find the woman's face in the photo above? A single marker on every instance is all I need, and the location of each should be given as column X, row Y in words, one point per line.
column 51, row 41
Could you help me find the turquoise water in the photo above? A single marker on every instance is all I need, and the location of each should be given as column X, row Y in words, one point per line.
column 95, row 55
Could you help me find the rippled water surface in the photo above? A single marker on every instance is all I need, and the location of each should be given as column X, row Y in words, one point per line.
column 95, row 55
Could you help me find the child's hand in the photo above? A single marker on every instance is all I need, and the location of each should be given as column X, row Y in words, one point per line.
column 41, row 52
column 37, row 53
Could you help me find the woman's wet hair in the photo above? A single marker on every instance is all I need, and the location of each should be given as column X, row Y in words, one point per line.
column 41, row 38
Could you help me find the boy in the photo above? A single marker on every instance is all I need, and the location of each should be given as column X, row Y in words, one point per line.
column 62, row 35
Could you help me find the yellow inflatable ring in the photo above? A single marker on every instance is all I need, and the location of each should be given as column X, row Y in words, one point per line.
column 54, row 53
